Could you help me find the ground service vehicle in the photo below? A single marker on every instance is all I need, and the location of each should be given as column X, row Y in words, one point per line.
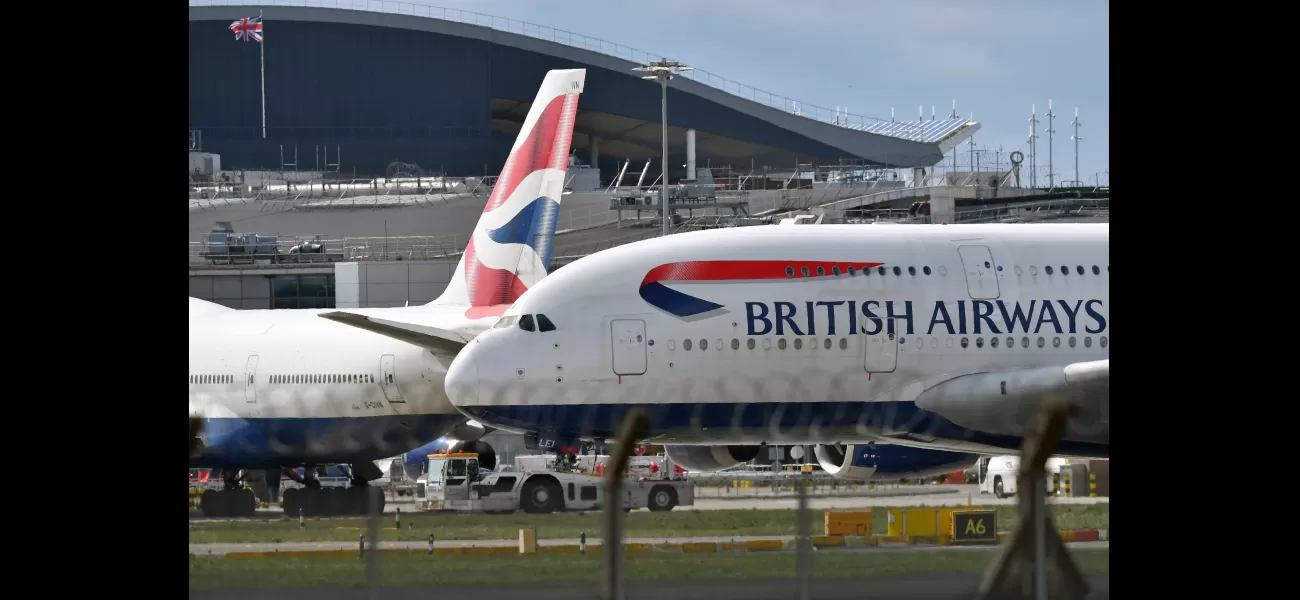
column 455, row 482
column 1002, row 472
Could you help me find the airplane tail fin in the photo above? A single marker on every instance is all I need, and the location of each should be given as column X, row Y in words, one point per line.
column 511, row 245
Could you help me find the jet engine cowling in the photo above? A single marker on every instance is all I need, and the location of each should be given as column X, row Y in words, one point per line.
column 862, row 462
column 711, row 458
column 416, row 461
column 469, row 431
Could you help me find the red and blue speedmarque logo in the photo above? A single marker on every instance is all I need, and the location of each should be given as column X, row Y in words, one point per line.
column 687, row 307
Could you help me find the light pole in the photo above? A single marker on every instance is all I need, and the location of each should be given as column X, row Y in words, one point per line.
column 663, row 70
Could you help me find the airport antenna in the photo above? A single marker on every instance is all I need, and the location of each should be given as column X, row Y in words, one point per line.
column 1033, row 145
column 1076, row 123
column 1051, row 131
column 663, row 70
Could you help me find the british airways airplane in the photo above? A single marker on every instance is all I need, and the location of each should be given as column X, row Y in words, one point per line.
column 278, row 389
column 863, row 340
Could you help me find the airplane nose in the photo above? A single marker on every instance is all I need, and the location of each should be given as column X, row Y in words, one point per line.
column 462, row 380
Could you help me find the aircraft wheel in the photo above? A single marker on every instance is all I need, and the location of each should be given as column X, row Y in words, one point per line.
column 662, row 498
column 245, row 502
column 308, row 500
column 289, row 502
column 327, row 502
column 997, row 487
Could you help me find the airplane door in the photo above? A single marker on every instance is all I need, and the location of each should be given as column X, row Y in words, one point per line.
column 882, row 349
column 250, row 380
column 388, row 379
column 628, row 336
column 981, row 273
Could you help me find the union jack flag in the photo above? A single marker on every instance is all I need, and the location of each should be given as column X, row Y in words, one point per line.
column 248, row 29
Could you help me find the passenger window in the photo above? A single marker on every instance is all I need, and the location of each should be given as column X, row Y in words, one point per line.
column 880, row 270
column 1079, row 269
column 544, row 324
column 1095, row 270
column 1048, row 269
column 898, row 271
column 526, row 323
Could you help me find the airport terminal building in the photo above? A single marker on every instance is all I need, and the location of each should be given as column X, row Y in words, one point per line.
column 350, row 92
column 356, row 90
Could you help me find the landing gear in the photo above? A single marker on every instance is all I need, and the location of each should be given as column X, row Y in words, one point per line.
column 233, row 500
column 312, row 500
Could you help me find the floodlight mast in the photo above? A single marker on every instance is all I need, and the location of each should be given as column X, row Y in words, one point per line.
column 663, row 70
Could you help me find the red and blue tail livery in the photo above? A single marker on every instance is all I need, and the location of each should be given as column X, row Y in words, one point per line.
column 511, row 246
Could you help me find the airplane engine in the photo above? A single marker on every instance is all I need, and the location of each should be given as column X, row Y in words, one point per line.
column 711, row 458
column 469, row 431
column 862, row 462
column 415, row 461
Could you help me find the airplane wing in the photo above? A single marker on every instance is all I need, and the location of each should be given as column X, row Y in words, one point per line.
column 1005, row 402
column 432, row 338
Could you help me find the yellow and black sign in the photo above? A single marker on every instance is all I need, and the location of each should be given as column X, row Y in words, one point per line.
column 975, row 526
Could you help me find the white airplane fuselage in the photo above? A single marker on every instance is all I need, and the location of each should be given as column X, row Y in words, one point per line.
column 822, row 334
column 285, row 387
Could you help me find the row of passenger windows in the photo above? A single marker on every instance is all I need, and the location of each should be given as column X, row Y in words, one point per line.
column 526, row 323
column 1033, row 270
column 325, row 378
column 211, row 379
column 292, row 379
column 918, row 343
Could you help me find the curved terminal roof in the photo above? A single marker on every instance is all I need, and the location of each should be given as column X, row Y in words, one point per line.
column 790, row 131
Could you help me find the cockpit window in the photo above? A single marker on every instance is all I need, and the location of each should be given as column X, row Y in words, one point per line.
column 526, row 323
column 506, row 321
column 544, row 324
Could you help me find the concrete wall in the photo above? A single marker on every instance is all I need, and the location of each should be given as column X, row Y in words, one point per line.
column 381, row 284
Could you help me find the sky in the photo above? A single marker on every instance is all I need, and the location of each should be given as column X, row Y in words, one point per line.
column 996, row 58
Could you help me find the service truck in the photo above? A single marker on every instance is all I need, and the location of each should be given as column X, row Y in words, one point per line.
column 1000, row 474
column 454, row 482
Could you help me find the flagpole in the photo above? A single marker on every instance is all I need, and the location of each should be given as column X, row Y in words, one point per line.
column 262, row 46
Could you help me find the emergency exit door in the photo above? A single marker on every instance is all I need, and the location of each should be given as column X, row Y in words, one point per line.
column 882, row 348
column 250, row 380
column 388, row 379
column 628, row 338
column 981, row 273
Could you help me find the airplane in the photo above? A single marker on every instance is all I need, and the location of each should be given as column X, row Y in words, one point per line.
column 278, row 389
column 935, row 337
